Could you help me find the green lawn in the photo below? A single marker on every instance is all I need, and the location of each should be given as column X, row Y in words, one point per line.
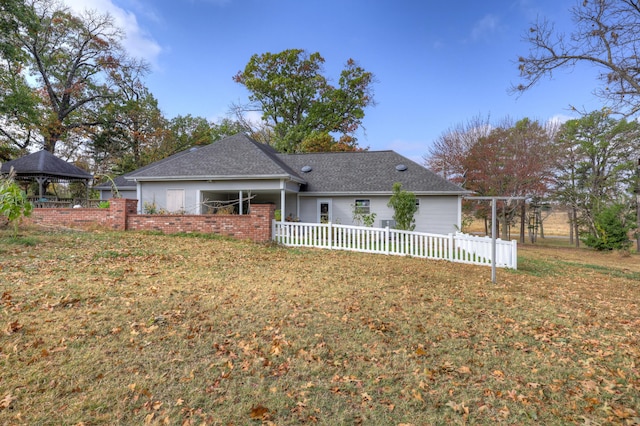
column 132, row 328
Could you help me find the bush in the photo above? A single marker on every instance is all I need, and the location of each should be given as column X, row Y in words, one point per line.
column 404, row 207
column 612, row 226
column 13, row 202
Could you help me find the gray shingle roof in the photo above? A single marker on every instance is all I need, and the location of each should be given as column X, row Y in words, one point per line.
column 366, row 172
column 45, row 163
column 122, row 182
column 240, row 157
column 236, row 156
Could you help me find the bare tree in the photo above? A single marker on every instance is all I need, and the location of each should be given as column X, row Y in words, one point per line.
column 447, row 153
column 606, row 35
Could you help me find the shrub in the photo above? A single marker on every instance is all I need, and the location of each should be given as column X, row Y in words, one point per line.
column 404, row 206
column 611, row 229
column 13, row 202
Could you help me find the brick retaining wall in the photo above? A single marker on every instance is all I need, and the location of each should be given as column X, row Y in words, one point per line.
column 121, row 215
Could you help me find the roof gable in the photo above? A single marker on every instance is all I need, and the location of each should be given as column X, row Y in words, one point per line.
column 236, row 156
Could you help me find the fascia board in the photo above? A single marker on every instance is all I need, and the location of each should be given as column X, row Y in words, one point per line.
column 212, row 178
column 378, row 193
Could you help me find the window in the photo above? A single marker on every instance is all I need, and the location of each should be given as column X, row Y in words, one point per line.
column 363, row 206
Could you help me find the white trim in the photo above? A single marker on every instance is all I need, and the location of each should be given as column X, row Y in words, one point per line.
column 327, row 201
column 213, row 178
column 283, row 195
column 375, row 193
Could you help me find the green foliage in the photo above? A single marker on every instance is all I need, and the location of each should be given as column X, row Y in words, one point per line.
column 611, row 229
column 104, row 205
column 404, row 207
column 150, row 208
column 595, row 167
column 78, row 67
column 13, row 203
column 297, row 100
column 361, row 215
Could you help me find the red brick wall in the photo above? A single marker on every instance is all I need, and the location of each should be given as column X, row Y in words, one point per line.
column 70, row 218
column 255, row 226
column 121, row 215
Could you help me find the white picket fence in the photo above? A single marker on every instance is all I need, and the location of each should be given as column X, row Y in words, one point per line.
column 456, row 247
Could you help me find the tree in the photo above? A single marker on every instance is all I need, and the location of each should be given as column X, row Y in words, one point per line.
column 404, row 205
column 17, row 101
column 13, row 15
column 296, row 100
column 130, row 133
column 448, row 153
column 184, row 132
column 76, row 64
column 505, row 159
column 597, row 169
column 605, row 36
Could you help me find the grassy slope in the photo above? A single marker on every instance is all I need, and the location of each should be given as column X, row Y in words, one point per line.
column 108, row 328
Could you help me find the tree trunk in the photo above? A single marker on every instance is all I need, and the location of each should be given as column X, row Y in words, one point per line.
column 505, row 225
column 523, row 213
column 50, row 144
column 576, row 227
column 570, row 215
column 638, row 207
column 52, row 131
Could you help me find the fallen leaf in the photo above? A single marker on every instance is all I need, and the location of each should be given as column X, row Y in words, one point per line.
column 258, row 412
column 464, row 370
column 6, row 401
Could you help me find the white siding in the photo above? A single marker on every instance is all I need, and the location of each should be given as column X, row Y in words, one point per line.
column 265, row 189
column 436, row 214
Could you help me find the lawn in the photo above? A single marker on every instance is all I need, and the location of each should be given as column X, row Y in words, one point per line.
column 132, row 328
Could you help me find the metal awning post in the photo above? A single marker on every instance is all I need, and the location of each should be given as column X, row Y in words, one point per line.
column 493, row 227
column 493, row 240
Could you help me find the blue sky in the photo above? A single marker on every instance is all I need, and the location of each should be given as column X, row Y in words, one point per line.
column 437, row 64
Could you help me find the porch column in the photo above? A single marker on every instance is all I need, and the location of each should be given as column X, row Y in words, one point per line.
column 240, row 205
column 41, row 181
column 139, row 196
column 282, row 201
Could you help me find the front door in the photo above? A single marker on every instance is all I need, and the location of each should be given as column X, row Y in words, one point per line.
column 324, row 211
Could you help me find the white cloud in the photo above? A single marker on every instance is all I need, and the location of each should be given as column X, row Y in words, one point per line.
column 487, row 25
column 560, row 119
column 137, row 41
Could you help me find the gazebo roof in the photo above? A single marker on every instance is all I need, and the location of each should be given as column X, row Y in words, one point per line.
column 44, row 164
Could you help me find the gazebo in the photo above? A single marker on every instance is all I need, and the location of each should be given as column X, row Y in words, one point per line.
column 45, row 168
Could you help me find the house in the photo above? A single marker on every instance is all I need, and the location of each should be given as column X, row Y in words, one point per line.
column 237, row 171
